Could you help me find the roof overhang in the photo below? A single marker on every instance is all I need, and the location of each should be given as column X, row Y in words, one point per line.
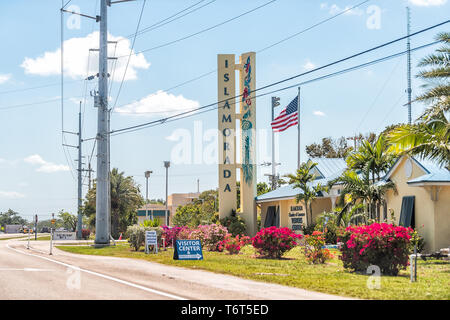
column 428, row 183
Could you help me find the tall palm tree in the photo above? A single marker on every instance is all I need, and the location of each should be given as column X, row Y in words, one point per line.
column 374, row 158
column 303, row 180
column 361, row 189
column 125, row 201
column 430, row 135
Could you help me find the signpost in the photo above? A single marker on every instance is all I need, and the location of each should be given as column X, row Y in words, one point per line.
column 188, row 250
column 51, row 233
column 65, row 235
column 151, row 239
column 35, row 227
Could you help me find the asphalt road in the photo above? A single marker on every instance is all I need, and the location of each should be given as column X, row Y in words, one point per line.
column 34, row 274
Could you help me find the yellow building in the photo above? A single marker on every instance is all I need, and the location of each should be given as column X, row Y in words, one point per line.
column 421, row 199
column 279, row 207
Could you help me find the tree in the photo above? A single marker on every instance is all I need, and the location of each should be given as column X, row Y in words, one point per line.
column 126, row 199
column 430, row 136
column 69, row 221
column 373, row 158
column 11, row 217
column 262, row 188
column 201, row 211
column 329, row 148
column 335, row 148
column 304, row 180
column 360, row 188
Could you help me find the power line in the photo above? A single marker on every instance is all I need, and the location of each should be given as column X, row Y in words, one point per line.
column 34, row 103
column 268, row 47
column 167, row 20
column 190, row 112
column 129, row 56
column 291, row 78
column 202, row 31
column 213, row 71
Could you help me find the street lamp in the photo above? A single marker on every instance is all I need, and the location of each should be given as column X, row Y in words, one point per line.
column 167, row 165
column 147, row 175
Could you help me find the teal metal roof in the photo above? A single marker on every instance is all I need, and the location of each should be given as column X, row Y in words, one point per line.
column 435, row 173
column 329, row 169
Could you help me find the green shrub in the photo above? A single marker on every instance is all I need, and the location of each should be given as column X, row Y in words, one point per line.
column 136, row 236
column 235, row 224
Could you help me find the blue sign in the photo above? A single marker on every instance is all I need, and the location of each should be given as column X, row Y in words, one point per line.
column 188, row 250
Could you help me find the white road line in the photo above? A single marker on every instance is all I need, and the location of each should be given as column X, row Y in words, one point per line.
column 104, row 276
column 26, row 269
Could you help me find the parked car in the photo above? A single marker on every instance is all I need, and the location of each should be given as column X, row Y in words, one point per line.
column 45, row 230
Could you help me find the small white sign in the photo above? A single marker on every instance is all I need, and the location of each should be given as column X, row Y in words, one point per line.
column 151, row 239
column 64, row 236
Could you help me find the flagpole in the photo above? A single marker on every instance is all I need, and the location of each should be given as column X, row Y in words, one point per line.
column 298, row 128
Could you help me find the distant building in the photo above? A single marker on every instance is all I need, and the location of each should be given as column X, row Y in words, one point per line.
column 158, row 211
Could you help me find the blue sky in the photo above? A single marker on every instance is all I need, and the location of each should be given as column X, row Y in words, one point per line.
column 36, row 177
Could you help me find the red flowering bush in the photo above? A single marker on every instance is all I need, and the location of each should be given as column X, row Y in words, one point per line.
column 381, row 244
column 314, row 251
column 85, row 233
column 233, row 244
column 170, row 234
column 273, row 242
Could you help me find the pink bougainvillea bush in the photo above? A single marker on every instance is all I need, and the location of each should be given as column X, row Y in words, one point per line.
column 171, row 234
column 233, row 244
column 273, row 242
column 381, row 244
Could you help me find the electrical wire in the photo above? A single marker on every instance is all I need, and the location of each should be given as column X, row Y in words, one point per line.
column 166, row 120
column 290, row 78
column 267, row 47
column 201, row 31
column 129, row 56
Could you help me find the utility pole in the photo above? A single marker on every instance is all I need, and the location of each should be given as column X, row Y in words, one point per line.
column 198, row 185
column 80, row 170
column 298, row 128
column 147, row 175
column 355, row 138
column 273, row 177
column 167, row 165
column 102, row 221
column 408, row 46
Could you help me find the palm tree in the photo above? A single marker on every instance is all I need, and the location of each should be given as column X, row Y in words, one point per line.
column 374, row 158
column 125, row 201
column 361, row 189
column 430, row 135
column 303, row 180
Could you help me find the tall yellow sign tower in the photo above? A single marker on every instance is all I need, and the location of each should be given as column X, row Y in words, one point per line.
column 227, row 116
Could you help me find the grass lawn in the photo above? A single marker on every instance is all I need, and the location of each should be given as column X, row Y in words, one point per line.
column 433, row 275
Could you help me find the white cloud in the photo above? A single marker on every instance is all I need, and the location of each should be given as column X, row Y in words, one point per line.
column 11, row 195
column 76, row 53
column 45, row 166
column 160, row 103
column 428, row 3
column 335, row 9
column 319, row 113
column 4, row 78
column 309, row 65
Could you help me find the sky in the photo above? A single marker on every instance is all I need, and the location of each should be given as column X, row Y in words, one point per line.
column 37, row 174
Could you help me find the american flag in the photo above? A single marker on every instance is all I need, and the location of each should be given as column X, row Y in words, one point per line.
column 287, row 118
